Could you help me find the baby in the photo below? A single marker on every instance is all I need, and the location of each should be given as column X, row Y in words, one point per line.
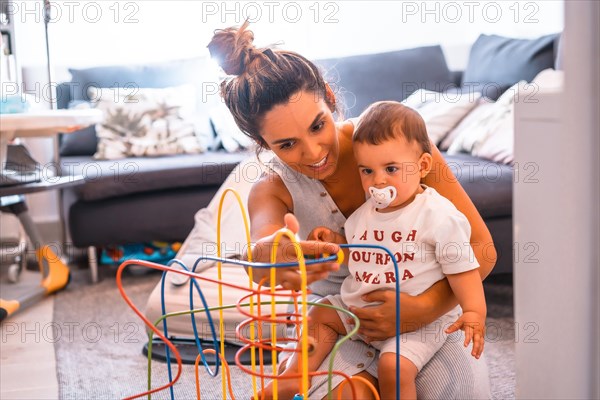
column 427, row 236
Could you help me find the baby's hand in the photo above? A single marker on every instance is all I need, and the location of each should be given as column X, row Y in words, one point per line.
column 474, row 326
column 324, row 234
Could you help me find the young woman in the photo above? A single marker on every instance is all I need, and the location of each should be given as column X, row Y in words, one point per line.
column 280, row 100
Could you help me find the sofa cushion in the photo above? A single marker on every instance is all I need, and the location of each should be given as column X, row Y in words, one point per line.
column 497, row 62
column 488, row 184
column 82, row 142
column 228, row 135
column 361, row 80
column 164, row 216
column 115, row 178
column 161, row 75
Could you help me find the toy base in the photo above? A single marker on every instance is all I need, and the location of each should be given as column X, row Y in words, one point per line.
column 188, row 351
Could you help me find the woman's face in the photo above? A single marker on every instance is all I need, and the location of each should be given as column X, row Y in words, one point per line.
column 302, row 133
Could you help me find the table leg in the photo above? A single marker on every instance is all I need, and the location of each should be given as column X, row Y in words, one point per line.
column 5, row 139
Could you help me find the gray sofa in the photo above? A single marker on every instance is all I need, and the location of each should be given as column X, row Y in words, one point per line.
column 137, row 200
column 144, row 199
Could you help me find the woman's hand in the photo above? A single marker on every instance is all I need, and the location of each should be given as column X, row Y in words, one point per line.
column 289, row 278
column 379, row 322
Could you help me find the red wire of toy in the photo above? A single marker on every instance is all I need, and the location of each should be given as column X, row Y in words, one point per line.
column 252, row 319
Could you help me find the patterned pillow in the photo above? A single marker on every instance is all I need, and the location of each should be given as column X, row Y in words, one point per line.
column 441, row 111
column 145, row 122
column 497, row 119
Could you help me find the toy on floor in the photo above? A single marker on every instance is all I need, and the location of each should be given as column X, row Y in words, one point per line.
column 248, row 305
column 158, row 252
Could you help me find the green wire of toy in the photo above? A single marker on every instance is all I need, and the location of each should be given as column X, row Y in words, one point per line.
column 310, row 303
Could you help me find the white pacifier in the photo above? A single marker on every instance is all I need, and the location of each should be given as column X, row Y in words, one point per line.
column 382, row 197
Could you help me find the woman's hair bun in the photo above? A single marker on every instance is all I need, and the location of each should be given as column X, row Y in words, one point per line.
column 232, row 48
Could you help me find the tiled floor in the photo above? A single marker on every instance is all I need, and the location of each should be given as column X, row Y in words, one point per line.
column 27, row 361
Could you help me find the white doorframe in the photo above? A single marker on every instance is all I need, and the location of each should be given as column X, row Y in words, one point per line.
column 557, row 214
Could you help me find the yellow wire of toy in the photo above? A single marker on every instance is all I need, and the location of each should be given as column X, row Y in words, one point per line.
column 303, row 288
column 304, row 301
column 251, row 284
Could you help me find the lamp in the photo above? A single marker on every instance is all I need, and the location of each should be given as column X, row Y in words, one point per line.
column 47, row 18
column 53, row 106
column 52, row 97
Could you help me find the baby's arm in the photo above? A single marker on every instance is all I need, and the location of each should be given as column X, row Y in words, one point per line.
column 324, row 234
column 467, row 287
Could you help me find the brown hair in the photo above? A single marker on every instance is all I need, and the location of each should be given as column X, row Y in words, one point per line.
column 261, row 78
column 387, row 120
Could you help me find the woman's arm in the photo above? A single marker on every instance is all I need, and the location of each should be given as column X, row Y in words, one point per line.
column 268, row 206
column 443, row 180
column 379, row 322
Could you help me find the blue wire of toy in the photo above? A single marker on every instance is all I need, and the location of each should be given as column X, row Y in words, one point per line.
column 334, row 258
column 206, row 307
column 370, row 246
column 210, row 323
column 267, row 265
column 209, row 317
column 193, row 283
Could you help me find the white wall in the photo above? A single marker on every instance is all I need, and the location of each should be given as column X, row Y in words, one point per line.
column 106, row 32
column 91, row 33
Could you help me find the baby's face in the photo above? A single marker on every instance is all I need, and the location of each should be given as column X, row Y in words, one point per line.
column 396, row 163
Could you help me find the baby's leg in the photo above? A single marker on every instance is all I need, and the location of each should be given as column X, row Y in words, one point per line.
column 387, row 377
column 324, row 326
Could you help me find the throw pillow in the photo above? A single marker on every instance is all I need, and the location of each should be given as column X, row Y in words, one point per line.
column 145, row 122
column 498, row 120
column 468, row 123
column 500, row 62
column 228, row 134
column 498, row 145
column 441, row 111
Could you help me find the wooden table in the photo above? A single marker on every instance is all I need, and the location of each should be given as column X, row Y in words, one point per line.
column 41, row 123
